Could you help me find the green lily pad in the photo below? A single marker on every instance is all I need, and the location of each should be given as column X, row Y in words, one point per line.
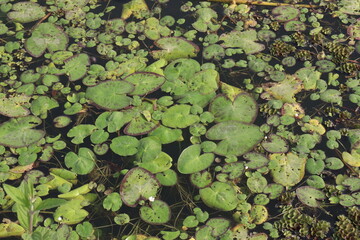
column 125, row 145
column 81, row 163
column 179, row 116
column 112, row 202
column 25, row 12
column 41, row 106
column 138, row 184
column 333, row 163
column 295, row 26
column 256, row 160
column 287, row 169
column 284, row 90
column 331, row 96
column 201, row 179
column 275, row 144
column 274, row 190
column 76, row 66
column 219, row 226
column 213, row 51
column 167, row 178
column 166, row 135
column 309, row 196
column 157, row 213
column 62, row 121
column 153, row 30
column 80, row 132
column 219, row 195
column 352, row 159
column 204, row 21
column 13, row 106
column 190, row 160
column 325, row 66
column 160, row 163
column 204, row 233
column 256, row 183
column 71, row 212
column 285, row 13
column 309, row 76
column 18, row 132
column 243, row 108
column 134, row 7
column 110, row 95
column 258, row 214
column 46, row 36
column 174, row 48
column 237, row 138
column 242, row 39
column 349, row 7
column 145, row 82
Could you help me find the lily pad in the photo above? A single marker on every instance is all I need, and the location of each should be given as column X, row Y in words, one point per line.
column 76, row 66
column 124, row 145
column 310, row 195
column 190, row 160
column 167, row 178
column 236, row 137
column 287, row 169
column 256, row 160
column 352, row 159
column 138, row 184
column 201, row 179
column 145, row 82
column 219, row 195
column 243, row 108
column 41, row 106
column 166, row 135
column 18, row 132
column 157, row 213
column 284, row 90
column 275, row 144
column 219, row 226
column 46, row 36
column 285, row 13
column 309, row 76
column 81, row 163
column 245, row 40
column 14, row 106
column 25, row 12
column 351, row 7
column 295, row 26
column 110, row 95
column 204, row 21
column 174, row 48
column 179, row 116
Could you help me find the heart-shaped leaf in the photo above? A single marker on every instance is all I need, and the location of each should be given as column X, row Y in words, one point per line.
column 174, row 48
column 179, row 116
column 309, row 196
column 25, row 12
column 242, row 39
column 76, row 66
column 219, row 195
column 275, row 144
column 13, row 106
column 125, row 145
column 81, row 163
column 145, row 82
column 138, row 184
column 157, row 213
column 190, row 160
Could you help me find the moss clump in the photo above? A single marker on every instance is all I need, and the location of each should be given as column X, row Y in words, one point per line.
column 299, row 38
column 345, row 229
column 349, row 67
column 281, row 49
column 340, row 52
column 303, row 55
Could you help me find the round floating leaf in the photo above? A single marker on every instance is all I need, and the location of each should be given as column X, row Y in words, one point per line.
column 204, row 233
column 76, row 66
column 205, row 21
column 258, row 214
column 166, row 135
column 334, row 163
column 274, row 190
column 41, row 106
column 112, row 202
column 325, row 66
column 275, row 144
column 242, row 39
column 174, row 48
column 25, row 12
column 62, row 121
column 81, row 163
column 331, row 96
column 13, row 106
column 219, row 195
column 80, row 132
column 125, row 145
column 138, row 184
column 243, row 108
column 122, row 219
column 285, row 13
column 256, row 183
column 160, row 163
column 145, row 82
column 236, row 137
column 309, row 76
column 256, row 160
column 158, row 213
column 295, row 26
column 190, row 160
column 234, row 170
column 46, row 36
column 201, row 179
column 315, row 181
column 219, row 226
column 110, row 95
column 287, row 170
column 179, row 116
column 349, row 7
column 310, row 195
column 213, row 51
column 18, row 132
column 352, row 159
column 167, row 178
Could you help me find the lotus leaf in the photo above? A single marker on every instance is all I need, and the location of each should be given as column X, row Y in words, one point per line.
column 201, row 179
column 256, row 183
column 138, row 184
column 157, row 213
column 125, row 145
column 190, row 160
column 41, row 105
column 243, row 108
column 174, row 48
column 221, row 196
column 256, row 160
column 236, row 137
column 145, row 82
column 76, row 66
column 352, row 159
column 309, row 196
column 285, row 13
column 18, row 132
column 287, row 169
column 112, row 202
column 179, row 116
column 167, row 135
column 80, row 132
column 284, row 90
column 219, row 225
column 110, row 95
column 245, row 40
column 25, row 12
column 46, row 36
column 167, row 178
column 205, row 17
column 309, row 76
column 14, row 106
column 275, row 144
column 81, row 163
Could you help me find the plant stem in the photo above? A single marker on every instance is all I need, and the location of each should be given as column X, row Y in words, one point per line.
column 262, row 3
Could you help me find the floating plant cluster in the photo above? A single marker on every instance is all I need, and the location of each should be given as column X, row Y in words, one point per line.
column 219, row 120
